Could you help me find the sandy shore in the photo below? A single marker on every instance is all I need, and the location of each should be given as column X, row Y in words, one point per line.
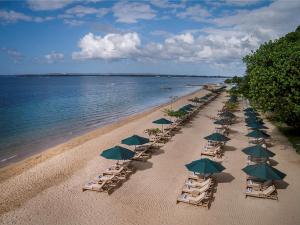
column 49, row 192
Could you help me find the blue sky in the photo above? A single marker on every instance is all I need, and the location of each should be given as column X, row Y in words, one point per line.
column 158, row 36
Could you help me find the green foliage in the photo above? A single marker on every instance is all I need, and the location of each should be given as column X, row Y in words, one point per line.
column 272, row 82
column 234, row 80
column 153, row 131
column 172, row 113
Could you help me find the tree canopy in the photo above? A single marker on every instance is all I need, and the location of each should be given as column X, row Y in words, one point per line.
column 272, row 81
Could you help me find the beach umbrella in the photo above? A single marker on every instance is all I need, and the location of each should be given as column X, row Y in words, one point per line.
column 264, row 171
column 117, row 153
column 251, row 113
column 162, row 121
column 205, row 166
column 254, row 121
column 249, row 109
column 256, row 126
column 227, row 114
column 190, row 105
column 217, row 137
column 222, row 122
column 135, row 140
column 258, row 134
column 258, row 151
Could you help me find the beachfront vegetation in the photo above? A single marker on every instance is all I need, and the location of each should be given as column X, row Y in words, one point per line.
column 272, row 81
column 173, row 113
column 153, row 131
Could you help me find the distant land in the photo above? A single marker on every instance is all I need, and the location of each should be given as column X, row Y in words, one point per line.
column 117, row 74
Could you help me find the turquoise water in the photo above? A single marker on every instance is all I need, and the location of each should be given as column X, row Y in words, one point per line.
column 39, row 112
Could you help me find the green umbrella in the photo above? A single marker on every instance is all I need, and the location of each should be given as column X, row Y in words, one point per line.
column 217, row 137
column 256, row 126
column 264, row 171
column 227, row 114
column 258, row 151
column 253, row 121
column 251, row 113
column 258, row 134
column 249, row 109
column 162, row 121
column 205, row 166
column 222, row 122
column 118, row 153
column 135, row 140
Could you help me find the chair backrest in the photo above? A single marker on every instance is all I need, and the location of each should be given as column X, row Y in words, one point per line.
column 208, row 181
column 200, row 197
column 204, row 188
column 269, row 190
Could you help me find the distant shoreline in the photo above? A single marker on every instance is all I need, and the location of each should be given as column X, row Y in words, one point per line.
column 110, row 75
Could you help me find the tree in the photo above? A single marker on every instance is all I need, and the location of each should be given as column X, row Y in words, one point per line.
column 272, row 80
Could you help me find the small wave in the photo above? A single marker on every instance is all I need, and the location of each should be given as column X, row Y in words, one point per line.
column 8, row 158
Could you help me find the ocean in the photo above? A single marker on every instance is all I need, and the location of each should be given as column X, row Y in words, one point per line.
column 38, row 112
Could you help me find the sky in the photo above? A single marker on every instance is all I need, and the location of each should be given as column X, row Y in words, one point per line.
column 203, row 37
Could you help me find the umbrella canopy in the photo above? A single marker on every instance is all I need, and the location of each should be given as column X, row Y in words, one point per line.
column 249, row 109
column 205, row 166
column 264, row 171
column 217, row 137
column 222, row 122
column 190, row 105
column 254, row 120
column 135, row 140
column 249, row 113
column 162, row 121
column 186, row 108
column 258, row 134
column 256, row 126
column 227, row 114
column 258, row 151
column 118, row 153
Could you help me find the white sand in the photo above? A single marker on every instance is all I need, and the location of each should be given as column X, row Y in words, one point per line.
column 50, row 192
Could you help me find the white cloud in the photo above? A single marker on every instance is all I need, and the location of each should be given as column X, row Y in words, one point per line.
column 12, row 17
column 167, row 4
column 82, row 11
column 196, row 13
column 13, row 54
column 54, row 57
column 131, row 12
column 109, row 47
column 241, row 2
column 39, row 5
column 73, row 22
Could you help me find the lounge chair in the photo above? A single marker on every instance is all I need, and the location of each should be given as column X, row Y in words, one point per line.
column 200, row 200
column 196, row 177
column 141, row 156
column 95, row 186
column 269, row 193
column 195, row 190
column 194, row 183
column 257, row 185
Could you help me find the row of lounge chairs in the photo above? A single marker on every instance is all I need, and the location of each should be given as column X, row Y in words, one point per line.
column 118, row 173
column 110, row 179
column 254, row 186
column 197, row 191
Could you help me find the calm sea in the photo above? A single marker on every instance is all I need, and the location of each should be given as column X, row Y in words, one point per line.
column 39, row 112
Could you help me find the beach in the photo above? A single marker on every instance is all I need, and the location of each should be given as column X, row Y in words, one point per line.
column 47, row 188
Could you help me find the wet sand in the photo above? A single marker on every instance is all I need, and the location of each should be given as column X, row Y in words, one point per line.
column 49, row 192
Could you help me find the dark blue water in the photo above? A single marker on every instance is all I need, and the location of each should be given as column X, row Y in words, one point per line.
column 38, row 112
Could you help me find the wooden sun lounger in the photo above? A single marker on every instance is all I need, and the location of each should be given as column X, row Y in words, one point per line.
column 95, row 186
column 195, row 190
column 200, row 200
column 195, row 183
column 269, row 193
column 141, row 156
column 257, row 185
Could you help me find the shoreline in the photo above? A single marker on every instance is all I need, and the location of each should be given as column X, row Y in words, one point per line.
column 41, row 155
